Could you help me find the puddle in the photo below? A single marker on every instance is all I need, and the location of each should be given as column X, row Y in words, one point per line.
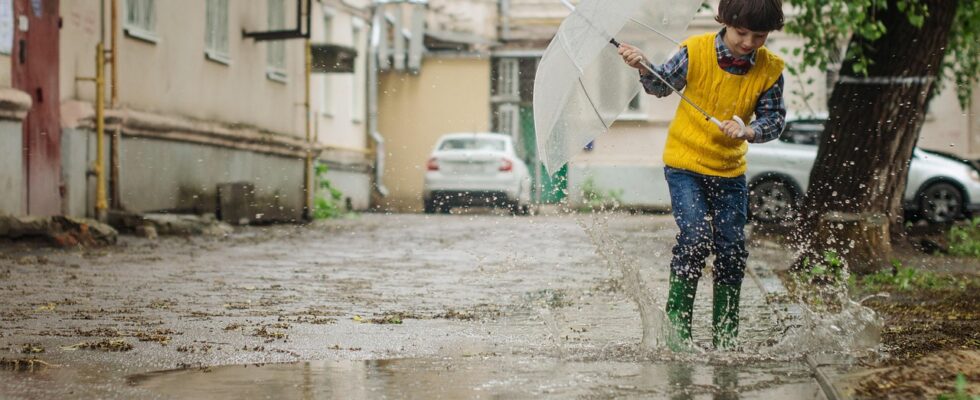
column 476, row 377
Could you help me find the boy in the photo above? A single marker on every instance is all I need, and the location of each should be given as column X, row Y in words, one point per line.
column 728, row 73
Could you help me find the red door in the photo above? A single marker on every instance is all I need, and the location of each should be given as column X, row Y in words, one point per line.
column 35, row 70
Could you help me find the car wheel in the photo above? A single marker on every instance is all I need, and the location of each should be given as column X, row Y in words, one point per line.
column 940, row 202
column 772, row 201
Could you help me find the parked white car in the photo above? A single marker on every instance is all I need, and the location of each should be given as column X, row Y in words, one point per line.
column 476, row 169
column 939, row 188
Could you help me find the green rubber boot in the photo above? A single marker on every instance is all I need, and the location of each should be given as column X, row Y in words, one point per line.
column 724, row 316
column 680, row 309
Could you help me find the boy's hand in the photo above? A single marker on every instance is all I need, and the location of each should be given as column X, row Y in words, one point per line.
column 632, row 56
column 733, row 130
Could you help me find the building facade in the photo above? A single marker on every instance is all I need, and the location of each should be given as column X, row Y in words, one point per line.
column 192, row 103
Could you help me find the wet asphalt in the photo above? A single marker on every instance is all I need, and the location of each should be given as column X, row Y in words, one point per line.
column 376, row 306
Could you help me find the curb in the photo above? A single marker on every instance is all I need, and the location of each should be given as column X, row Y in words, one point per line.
column 771, row 286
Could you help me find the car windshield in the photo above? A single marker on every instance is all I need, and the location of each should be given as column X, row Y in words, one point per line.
column 803, row 132
column 473, row 144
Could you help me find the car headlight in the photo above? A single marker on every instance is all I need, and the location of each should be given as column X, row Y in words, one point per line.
column 975, row 175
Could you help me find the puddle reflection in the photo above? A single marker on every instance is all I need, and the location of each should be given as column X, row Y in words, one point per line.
column 475, row 377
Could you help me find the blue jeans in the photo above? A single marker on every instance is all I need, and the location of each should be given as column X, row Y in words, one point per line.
column 711, row 213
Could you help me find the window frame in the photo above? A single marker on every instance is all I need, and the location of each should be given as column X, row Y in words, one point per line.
column 136, row 29
column 326, row 80
column 274, row 72
column 211, row 52
column 637, row 113
column 514, row 120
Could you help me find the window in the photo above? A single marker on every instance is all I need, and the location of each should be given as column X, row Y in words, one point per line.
column 141, row 20
column 216, row 31
column 634, row 106
column 508, row 120
column 276, row 49
column 326, row 106
column 634, row 110
column 508, row 78
column 357, row 38
column 806, row 132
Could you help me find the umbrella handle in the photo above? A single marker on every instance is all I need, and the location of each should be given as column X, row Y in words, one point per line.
column 741, row 125
column 736, row 118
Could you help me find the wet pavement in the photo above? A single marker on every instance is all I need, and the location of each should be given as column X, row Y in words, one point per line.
column 377, row 306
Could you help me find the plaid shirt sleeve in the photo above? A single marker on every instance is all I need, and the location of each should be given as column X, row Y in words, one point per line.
column 673, row 71
column 770, row 114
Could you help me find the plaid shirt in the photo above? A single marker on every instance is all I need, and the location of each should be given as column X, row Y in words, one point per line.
column 770, row 110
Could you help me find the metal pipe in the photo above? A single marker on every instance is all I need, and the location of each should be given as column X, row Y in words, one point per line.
column 115, row 195
column 308, row 188
column 101, row 205
column 114, row 56
column 372, row 92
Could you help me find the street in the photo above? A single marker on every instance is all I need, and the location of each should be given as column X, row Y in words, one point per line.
column 374, row 306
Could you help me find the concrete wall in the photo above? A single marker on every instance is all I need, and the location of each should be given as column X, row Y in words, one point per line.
column 160, row 175
column 355, row 187
column 12, row 185
column 452, row 94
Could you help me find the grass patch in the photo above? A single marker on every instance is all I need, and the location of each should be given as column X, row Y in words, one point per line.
column 960, row 393
column 908, row 278
column 595, row 199
column 964, row 239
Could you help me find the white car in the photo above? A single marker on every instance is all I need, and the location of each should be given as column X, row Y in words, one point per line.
column 476, row 169
column 939, row 188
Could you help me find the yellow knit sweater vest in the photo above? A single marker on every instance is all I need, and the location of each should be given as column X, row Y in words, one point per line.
column 694, row 143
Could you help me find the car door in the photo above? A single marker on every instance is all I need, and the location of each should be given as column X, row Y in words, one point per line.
column 791, row 156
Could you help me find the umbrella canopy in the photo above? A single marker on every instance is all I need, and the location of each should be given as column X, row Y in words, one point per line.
column 582, row 85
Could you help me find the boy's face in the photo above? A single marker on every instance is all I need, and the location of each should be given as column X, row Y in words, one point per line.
column 742, row 41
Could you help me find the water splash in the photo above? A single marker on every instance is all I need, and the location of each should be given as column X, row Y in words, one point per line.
column 652, row 316
column 553, row 329
column 850, row 329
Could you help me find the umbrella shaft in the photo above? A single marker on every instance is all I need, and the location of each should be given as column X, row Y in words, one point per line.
column 679, row 93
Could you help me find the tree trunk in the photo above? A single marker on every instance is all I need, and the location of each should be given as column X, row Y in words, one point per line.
column 874, row 122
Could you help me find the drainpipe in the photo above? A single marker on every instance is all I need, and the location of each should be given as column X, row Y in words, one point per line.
column 100, row 196
column 372, row 98
column 114, row 56
column 115, row 197
column 308, row 189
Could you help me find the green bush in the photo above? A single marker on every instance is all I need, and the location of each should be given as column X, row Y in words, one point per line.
column 964, row 239
column 595, row 199
column 326, row 206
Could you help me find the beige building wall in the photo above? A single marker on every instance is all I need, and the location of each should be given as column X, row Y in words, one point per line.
column 475, row 17
column 452, row 94
column 947, row 125
column 170, row 75
column 339, row 99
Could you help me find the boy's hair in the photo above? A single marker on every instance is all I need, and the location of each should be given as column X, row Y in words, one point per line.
column 754, row 15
